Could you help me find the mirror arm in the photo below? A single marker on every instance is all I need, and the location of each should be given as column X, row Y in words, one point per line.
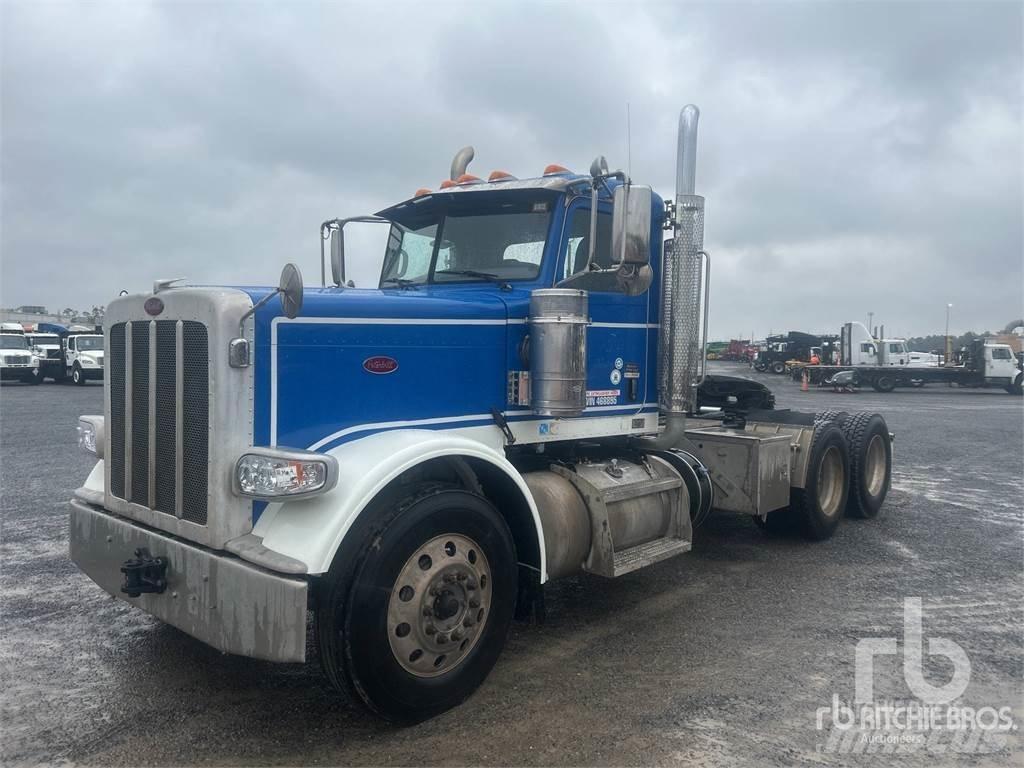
column 253, row 310
column 325, row 233
column 593, row 227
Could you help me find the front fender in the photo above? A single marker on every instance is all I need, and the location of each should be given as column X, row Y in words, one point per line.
column 311, row 530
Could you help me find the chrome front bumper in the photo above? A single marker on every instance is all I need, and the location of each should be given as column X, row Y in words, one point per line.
column 225, row 602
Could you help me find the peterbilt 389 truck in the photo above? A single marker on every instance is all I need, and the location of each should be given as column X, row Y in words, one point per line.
column 516, row 402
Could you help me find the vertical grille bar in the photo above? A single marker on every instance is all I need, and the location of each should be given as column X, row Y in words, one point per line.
column 127, row 411
column 179, row 424
column 196, row 422
column 151, row 421
column 139, row 436
column 116, row 432
column 166, row 489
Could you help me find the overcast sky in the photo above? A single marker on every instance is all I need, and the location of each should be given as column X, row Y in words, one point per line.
column 855, row 158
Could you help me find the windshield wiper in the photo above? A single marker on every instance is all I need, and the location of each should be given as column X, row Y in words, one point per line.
column 489, row 276
column 401, row 282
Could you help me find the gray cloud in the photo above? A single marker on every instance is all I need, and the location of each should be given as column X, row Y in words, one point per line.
column 855, row 157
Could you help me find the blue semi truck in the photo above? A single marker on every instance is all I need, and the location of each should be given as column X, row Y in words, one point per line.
column 521, row 398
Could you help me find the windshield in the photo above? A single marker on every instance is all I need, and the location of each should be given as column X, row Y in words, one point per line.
column 443, row 245
column 12, row 341
column 47, row 339
column 84, row 343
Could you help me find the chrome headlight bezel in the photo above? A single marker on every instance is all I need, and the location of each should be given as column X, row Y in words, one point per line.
column 284, row 457
column 92, row 434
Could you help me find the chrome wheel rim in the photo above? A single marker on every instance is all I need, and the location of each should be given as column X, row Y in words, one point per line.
column 830, row 482
column 874, row 466
column 439, row 605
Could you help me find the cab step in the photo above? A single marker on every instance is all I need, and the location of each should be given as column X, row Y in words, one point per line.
column 626, row 560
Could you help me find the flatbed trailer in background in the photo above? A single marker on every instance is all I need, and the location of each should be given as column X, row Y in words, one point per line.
column 985, row 365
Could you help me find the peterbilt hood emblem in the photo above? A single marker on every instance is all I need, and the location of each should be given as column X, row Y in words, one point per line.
column 380, row 364
column 153, row 306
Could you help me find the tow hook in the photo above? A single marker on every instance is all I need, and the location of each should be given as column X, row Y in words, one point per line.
column 144, row 573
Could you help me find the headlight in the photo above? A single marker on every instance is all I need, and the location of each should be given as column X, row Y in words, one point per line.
column 271, row 473
column 91, row 434
column 87, row 360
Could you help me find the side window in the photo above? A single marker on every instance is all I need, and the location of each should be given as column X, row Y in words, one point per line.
column 71, row 344
column 867, row 348
column 577, row 242
column 896, row 349
column 1000, row 353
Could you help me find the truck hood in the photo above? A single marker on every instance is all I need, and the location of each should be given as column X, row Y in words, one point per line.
column 453, row 304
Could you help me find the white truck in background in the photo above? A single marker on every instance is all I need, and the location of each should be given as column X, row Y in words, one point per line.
column 16, row 359
column 47, row 347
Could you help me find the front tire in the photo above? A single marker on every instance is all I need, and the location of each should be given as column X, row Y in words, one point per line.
column 1017, row 387
column 778, row 367
column 884, row 384
column 77, row 376
column 420, row 621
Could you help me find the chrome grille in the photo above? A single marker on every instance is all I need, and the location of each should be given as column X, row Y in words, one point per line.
column 159, row 416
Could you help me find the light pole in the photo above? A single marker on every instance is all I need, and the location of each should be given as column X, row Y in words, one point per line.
column 949, row 341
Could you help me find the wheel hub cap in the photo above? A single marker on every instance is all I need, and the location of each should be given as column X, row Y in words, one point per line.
column 439, row 605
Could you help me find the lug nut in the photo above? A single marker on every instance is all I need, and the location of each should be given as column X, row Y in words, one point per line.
column 474, row 603
column 456, row 636
column 428, row 612
column 468, row 622
column 471, row 585
column 430, row 629
column 461, row 577
column 442, row 638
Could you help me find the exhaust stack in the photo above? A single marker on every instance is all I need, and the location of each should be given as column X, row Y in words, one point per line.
column 679, row 338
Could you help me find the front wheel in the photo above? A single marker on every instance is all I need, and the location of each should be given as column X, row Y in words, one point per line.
column 77, row 376
column 423, row 617
column 778, row 367
column 1017, row 387
column 884, row 384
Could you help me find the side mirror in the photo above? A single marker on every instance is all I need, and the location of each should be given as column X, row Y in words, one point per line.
column 290, row 288
column 338, row 256
column 631, row 224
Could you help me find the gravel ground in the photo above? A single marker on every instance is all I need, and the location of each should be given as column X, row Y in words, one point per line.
column 720, row 657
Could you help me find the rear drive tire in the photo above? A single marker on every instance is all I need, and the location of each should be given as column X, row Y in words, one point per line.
column 829, row 416
column 778, row 367
column 870, row 463
column 820, row 503
column 884, row 384
column 418, row 622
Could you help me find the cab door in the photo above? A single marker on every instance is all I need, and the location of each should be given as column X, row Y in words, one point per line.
column 622, row 336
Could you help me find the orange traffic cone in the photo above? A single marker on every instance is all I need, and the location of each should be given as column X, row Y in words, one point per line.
column 804, row 381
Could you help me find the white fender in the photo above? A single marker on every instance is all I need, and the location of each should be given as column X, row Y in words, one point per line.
column 311, row 530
